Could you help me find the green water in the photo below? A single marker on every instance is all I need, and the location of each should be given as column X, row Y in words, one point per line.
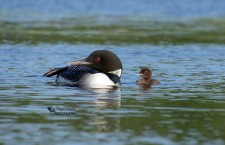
column 114, row 31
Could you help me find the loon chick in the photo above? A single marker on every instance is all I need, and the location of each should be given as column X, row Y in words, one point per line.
column 101, row 69
column 146, row 79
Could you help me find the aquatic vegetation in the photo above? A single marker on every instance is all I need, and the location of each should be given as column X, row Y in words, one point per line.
column 114, row 31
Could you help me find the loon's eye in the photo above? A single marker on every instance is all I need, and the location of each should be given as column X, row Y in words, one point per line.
column 97, row 59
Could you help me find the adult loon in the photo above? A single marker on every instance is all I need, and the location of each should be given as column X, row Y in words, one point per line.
column 101, row 69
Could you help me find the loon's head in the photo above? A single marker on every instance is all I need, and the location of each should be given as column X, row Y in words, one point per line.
column 145, row 73
column 102, row 60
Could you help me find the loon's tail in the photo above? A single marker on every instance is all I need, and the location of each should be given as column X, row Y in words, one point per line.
column 54, row 71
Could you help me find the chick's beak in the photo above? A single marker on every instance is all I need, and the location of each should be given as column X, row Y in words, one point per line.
column 140, row 74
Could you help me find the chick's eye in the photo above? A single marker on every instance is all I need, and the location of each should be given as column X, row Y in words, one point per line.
column 97, row 59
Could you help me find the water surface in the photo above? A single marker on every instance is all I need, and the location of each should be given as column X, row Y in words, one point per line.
column 187, row 106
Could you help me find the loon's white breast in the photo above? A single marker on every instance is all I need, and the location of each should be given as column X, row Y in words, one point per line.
column 97, row 80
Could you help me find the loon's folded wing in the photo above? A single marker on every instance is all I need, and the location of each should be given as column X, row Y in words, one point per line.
column 75, row 73
column 55, row 71
column 70, row 73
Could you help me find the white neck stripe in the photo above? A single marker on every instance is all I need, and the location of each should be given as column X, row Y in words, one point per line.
column 116, row 72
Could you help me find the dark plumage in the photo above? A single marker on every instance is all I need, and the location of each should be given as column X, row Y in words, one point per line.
column 146, row 79
column 70, row 73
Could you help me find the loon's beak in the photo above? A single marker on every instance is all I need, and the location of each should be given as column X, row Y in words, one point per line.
column 80, row 62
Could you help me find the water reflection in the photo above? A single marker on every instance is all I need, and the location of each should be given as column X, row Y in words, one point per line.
column 103, row 90
column 106, row 98
column 101, row 113
column 101, row 97
column 96, row 109
column 144, row 87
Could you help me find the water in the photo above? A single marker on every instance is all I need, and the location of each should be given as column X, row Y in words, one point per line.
column 26, row 10
column 186, row 55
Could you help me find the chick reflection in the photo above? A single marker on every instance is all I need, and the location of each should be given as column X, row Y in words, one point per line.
column 146, row 80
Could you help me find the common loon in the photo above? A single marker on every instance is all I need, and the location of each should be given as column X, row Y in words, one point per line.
column 101, row 69
column 146, row 79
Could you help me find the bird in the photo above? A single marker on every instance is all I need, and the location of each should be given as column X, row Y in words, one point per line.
column 101, row 69
column 146, row 77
